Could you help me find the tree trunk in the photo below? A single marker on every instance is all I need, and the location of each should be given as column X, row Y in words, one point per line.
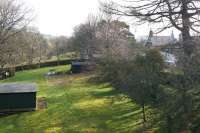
column 143, row 112
column 58, row 55
column 58, row 59
column 186, row 37
column 169, row 124
column 186, row 26
column 40, row 58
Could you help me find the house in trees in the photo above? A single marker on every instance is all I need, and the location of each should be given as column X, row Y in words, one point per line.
column 152, row 41
column 164, row 43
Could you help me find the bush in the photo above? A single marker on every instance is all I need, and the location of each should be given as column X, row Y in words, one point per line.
column 44, row 64
column 139, row 78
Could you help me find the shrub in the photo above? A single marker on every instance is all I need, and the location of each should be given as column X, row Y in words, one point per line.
column 139, row 78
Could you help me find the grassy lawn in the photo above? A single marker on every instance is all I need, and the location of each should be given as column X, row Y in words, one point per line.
column 74, row 106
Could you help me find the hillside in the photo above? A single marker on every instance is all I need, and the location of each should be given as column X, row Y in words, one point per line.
column 74, row 106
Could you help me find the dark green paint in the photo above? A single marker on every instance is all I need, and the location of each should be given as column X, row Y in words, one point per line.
column 17, row 101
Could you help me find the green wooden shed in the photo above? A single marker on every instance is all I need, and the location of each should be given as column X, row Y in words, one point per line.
column 17, row 97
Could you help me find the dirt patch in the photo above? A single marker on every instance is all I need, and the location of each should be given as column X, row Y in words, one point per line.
column 41, row 103
column 66, row 81
column 60, row 81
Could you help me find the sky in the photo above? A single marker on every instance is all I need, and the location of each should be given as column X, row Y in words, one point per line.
column 59, row 17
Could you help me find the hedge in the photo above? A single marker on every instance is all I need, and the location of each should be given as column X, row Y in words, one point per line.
column 44, row 64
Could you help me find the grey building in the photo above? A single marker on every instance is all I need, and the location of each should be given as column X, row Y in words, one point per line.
column 155, row 41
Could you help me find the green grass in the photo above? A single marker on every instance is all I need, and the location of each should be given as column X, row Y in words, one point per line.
column 74, row 106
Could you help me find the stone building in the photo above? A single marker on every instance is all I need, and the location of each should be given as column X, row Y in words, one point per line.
column 157, row 41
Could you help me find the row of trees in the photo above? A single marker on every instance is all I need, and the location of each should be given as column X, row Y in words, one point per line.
column 18, row 44
column 26, row 47
column 13, row 18
column 98, row 37
column 22, row 44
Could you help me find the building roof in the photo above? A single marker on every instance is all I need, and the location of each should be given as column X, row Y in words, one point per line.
column 17, row 87
column 157, row 40
column 154, row 40
column 160, row 40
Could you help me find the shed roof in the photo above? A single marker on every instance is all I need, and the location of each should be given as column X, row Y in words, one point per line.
column 17, row 87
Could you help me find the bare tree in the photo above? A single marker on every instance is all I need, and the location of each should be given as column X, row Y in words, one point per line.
column 59, row 47
column 181, row 14
column 85, row 41
column 14, row 16
column 101, row 35
column 114, row 37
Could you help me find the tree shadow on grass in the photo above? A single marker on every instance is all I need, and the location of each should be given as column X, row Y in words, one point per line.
column 78, row 108
column 105, row 93
column 126, row 115
column 122, row 114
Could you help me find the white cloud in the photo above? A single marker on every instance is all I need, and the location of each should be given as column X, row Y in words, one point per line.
column 59, row 17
